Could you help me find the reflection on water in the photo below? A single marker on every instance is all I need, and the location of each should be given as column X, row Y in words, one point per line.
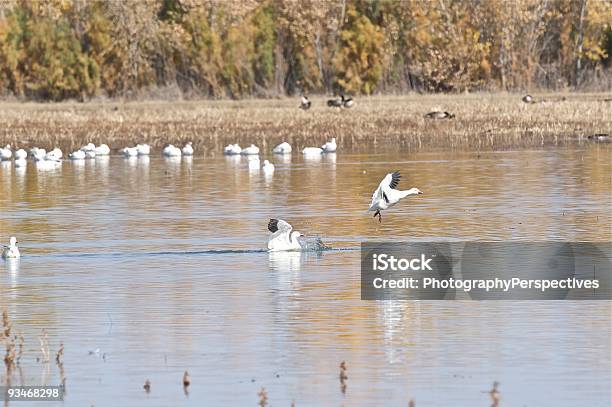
column 117, row 265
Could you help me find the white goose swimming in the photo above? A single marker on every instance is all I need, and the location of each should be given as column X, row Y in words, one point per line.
column 130, row 151
column 283, row 236
column 171, row 151
column 251, row 150
column 268, row 167
column 38, row 154
column 232, row 149
column 282, row 148
column 77, row 155
column 188, row 149
column 54, row 155
column 102, row 149
column 386, row 195
column 11, row 251
column 143, row 149
column 21, row 154
column 6, row 153
column 312, row 151
column 89, row 147
column 330, row 146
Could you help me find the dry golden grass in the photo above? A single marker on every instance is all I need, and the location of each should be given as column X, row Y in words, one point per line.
column 482, row 121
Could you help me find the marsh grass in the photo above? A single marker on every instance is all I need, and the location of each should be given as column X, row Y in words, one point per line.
column 483, row 121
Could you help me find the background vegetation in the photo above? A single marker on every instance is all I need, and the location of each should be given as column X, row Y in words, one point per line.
column 79, row 49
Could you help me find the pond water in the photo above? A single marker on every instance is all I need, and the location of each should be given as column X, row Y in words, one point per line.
column 145, row 268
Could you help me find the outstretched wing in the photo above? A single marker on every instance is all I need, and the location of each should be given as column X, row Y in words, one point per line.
column 278, row 224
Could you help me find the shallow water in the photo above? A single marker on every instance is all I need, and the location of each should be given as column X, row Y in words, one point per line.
column 158, row 267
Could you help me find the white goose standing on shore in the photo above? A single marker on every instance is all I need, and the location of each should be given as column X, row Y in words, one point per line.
column 11, row 251
column 386, row 195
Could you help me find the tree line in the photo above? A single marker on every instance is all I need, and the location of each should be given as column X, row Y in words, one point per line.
column 79, row 49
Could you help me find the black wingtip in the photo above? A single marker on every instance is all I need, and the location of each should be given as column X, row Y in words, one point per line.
column 273, row 225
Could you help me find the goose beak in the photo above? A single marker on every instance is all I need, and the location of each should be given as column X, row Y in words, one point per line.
column 420, row 193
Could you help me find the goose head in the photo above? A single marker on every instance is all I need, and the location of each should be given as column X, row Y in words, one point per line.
column 13, row 241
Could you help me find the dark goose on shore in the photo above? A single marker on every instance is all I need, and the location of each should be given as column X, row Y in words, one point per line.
column 305, row 103
column 347, row 102
column 437, row 115
column 337, row 102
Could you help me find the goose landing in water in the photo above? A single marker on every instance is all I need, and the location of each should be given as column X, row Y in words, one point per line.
column 386, row 195
column 284, row 238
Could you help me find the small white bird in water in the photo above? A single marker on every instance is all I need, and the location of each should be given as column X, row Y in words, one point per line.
column 282, row 148
column 312, row 151
column 268, row 167
column 21, row 154
column 77, row 155
column 188, row 149
column 232, row 149
column 54, row 155
column 20, row 162
column 143, row 149
column 38, row 154
column 386, row 195
column 251, row 150
column 130, row 151
column 330, row 146
column 6, row 153
column 89, row 147
column 171, row 151
column 102, row 149
column 11, row 251
column 283, row 236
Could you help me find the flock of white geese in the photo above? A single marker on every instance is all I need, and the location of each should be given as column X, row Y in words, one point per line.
column 282, row 238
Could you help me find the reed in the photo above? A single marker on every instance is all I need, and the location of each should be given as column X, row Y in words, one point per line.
column 482, row 121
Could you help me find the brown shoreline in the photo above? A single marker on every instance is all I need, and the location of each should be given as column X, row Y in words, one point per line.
column 483, row 121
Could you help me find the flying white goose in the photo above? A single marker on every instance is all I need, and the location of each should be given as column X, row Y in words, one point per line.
column 188, row 149
column 21, row 154
column 312, row 151
column 282, row 148
column 283, row 236
column 330, row 146
column 232, row 149
column 11, row 251
column 6, row 153
column 102, row 149
column 77, row 155
column 171, row 151
column 268, row 167
column 143, row 149
column 251, row 150
column 386, row 195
